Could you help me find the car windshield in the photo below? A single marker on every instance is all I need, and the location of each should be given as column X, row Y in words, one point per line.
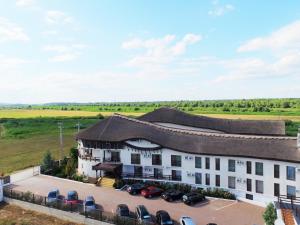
column 52, row 194
column 89, row 203
column 72, row 196
column 124, row 212
column 146, row 216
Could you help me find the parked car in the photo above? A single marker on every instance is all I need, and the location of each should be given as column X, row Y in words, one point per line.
column 193, row 198
column 53, row 196
column 89, row 204
column 142, row 214
column 123, row 210
column 172, row 195
column 163, row 218
column 72, row 198
column 151, row 191
column 135, row 189
column 186, row 220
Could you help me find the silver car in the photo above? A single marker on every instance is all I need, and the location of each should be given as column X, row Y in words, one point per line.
column 186, row 220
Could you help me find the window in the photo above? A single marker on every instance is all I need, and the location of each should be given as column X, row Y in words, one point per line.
column 198, row 162
column 135, row 158
column 259, row 186
column 290, row 173
column 207, row 179
column 176, row 160
column 291, row 191
column 217, row 180
column 276, row 189
column 276, row 171
column 231, row 182
column 249, row 185
column 198, row 178
column 207, row 163
column 231, row 165
column 249, row 167
column 176, row 175
column 259, row 168
column 217, row 163
column 156, row 159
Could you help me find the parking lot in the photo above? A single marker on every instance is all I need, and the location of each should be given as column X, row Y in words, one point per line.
column 222, row 212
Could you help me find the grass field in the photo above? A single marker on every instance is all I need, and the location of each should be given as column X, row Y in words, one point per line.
column 25, row 135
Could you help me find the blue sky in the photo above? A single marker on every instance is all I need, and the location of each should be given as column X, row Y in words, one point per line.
column 94, row 51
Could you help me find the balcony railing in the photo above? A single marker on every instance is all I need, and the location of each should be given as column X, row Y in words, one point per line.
column 111, row 160
column 89, row 157
column 151, row 176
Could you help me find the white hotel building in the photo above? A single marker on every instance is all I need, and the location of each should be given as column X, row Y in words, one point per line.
column 252, row 159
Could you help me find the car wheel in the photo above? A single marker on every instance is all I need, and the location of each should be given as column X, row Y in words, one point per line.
column 150, row 196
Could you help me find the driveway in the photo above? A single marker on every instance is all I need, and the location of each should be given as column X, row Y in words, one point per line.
column 222, row 212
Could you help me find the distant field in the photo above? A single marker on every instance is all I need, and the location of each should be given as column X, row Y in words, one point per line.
column 33, row 113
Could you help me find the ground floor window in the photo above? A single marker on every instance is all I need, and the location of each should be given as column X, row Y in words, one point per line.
column 207, row 179
column 249, row 185
column 176, row 175
column 217, row 180
column 290, row 191
column 276, row 189
column 198, row 178
column 259, row 186
column 231, row 182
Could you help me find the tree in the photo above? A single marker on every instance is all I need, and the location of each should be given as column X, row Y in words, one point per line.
column 270, row 214
column 48, row 161
column 74, row 154
column 70, row 168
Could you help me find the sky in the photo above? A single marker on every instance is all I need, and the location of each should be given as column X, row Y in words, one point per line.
column 138, row 50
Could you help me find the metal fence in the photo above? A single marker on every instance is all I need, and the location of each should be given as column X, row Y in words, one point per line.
column 60, row 204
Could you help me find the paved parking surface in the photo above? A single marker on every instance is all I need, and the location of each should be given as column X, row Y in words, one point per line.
column 222, row 212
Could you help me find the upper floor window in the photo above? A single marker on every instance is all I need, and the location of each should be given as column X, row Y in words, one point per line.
column 249, row 184
column 198, row 162
column 156, row 159
column 231, row 165
column 176, row 160
column 290, row 173
column 249, row 167
column 207, row 163
column 135, row 158
column 217, row 163
column 276, row 171
column 259, row 168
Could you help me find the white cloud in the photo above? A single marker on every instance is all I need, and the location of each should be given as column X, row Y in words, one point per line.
column 58, row 17
column 11, row 32
column 220, row 10
column 25, row 3
column 283, row 38
column 49, row 32
column 11, row 62
column 65, row 52
column 158, row 51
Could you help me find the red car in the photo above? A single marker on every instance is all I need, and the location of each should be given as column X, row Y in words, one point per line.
column 151, row 191
column 72, row 198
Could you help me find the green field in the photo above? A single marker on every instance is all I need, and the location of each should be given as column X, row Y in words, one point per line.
column 27, row 132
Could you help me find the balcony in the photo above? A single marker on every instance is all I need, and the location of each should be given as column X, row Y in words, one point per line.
column 151, row 176
column 112, row 160
column 89, row 157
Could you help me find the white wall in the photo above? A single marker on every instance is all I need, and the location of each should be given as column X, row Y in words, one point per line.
column 188, row 166
column 1, row 190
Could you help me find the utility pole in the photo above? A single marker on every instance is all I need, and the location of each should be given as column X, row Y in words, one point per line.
column 60, row 126
column 78, row 126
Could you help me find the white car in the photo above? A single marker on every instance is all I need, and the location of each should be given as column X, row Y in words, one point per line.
column 186, row 220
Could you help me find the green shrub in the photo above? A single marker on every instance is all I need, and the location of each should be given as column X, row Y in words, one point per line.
column 270, row 214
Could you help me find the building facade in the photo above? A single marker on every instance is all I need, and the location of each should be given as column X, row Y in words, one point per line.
column 252, row 159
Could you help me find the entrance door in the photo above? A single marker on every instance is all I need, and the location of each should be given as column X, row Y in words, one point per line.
column 138, row 171
column 158, row 173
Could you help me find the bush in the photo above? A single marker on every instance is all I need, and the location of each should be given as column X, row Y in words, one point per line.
column 270, row 214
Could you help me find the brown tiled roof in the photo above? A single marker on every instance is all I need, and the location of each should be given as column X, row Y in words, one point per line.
column 257, row 127
column 120, row 128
